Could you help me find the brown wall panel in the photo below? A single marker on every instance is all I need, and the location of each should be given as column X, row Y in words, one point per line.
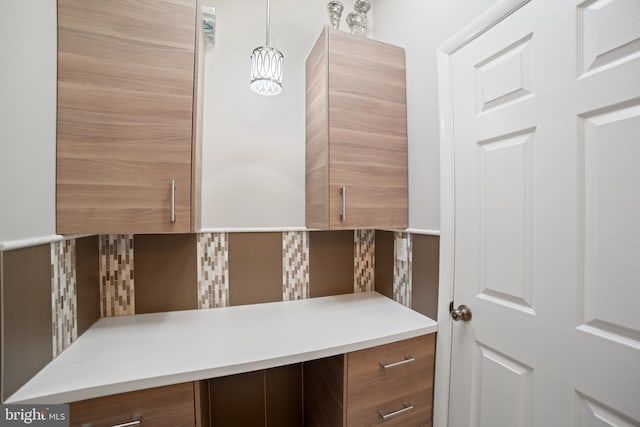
column 425, row 272
column 384, row 263
column 324, row 391
column 284, row 396
column 255, row 268
column 238, row 400
column 330, row 263
column 165, row 267
column 87, row 282
column 26, row 309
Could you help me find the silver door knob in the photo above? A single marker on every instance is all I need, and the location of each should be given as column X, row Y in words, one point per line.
column 461, row 313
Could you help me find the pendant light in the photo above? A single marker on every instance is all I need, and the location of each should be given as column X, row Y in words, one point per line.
column 266, row 67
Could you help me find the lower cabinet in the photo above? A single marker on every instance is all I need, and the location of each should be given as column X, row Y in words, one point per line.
column 390, row 385
column 170, row 406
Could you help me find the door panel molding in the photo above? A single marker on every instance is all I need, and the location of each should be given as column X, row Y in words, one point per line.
column 494, row 15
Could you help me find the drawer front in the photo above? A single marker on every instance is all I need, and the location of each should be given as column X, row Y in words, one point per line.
column 405, row 362
column 391, row 385
column 366, row 409
column 170, row 406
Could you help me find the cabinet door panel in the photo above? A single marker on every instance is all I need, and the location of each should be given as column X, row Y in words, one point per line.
column 125, row 97
column 367, row 133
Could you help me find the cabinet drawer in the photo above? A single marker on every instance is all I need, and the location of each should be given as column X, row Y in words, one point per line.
column 391, row 385
column 406, row 362
column 366, row 409
column 170, row 406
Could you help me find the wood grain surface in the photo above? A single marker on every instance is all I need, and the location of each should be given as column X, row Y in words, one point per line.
column 317, row 136
column 367, row 132
column 371, row 388
column 356, row 133
column 125, row 111
column 324, row 393
column 170, row 406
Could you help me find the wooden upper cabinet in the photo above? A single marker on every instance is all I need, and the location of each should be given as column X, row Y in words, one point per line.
column 125, row 115
column 356, row 134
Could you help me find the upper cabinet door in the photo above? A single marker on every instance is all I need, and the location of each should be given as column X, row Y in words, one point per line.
column 125, row 108
column 356, row 166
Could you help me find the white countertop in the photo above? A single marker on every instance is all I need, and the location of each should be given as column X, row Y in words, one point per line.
column 120, row 354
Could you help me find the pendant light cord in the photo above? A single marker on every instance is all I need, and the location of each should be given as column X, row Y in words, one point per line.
column 268, row 22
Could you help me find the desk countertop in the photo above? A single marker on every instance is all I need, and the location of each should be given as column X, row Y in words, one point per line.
column 120, row 354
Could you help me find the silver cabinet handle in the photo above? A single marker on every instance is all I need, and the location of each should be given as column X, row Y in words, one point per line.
column 172, row 219
column 384, row 416
column 343, row 211
column 129, row 424
column 136, row 420
column 407, row 359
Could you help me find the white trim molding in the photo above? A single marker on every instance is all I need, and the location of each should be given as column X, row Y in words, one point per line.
column 252, row 229
column 422, row 231
column 491, row 17
column 9, row 245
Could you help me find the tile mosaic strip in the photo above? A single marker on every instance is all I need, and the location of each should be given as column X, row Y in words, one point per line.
column 295, row 265
column 116, row 275
column 364, row 260
column 64, row 311
column 213, row 270
column 402, row 256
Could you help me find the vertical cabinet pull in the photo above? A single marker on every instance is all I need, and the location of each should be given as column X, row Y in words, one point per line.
column 172, row 218
column 343, row 210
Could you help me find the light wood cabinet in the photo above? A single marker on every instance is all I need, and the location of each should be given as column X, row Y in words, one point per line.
column 390, row 385
column 125, row 133
column 356, row 134
column 170, row 406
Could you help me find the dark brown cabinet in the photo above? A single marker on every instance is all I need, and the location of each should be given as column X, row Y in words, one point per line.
column 271, row 397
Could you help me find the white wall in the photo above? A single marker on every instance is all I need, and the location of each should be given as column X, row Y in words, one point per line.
column 27, row 118
column 253, row 159
column 420, row 26
column 253, row 165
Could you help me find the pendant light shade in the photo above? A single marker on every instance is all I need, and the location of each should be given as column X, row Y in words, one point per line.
column 267, row 64
column 266, row 70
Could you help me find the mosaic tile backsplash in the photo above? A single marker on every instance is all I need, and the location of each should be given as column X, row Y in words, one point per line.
column 213, row 270
column 117, row 294
column 402, row 268
column 63, row 295
column 364, row 260
column 295, row 265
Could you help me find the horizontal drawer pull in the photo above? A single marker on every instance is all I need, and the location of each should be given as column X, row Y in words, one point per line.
column 407, row 359
column 130, row 424
column 136, row 420
column 384, row 416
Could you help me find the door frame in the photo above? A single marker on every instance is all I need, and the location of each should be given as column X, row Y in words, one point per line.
column 491, row 17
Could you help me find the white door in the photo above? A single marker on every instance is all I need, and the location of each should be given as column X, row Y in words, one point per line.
column 546, row 153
